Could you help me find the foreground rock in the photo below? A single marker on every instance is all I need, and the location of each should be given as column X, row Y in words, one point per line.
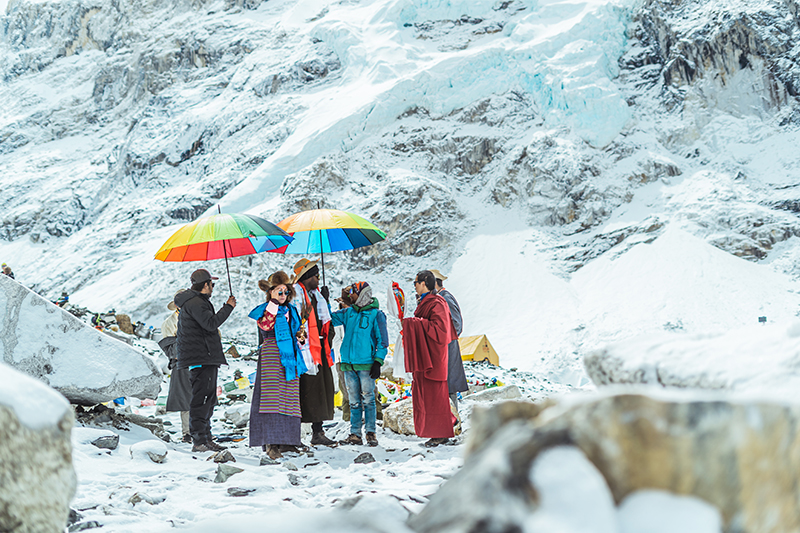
column 37, row 480
column 87, row 367
column 759, row 359
column 399, row 417
column 742, row 458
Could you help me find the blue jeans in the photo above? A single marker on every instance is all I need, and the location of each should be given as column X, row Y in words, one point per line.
column 361, row 390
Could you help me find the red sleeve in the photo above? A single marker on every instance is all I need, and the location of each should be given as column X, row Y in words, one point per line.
column 267, row 322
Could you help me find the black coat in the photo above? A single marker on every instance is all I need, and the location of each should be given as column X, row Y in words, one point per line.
column 199, row 342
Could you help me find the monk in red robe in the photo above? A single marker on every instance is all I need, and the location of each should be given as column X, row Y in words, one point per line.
column 425, row 340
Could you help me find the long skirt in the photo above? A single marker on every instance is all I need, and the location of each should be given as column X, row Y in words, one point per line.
column 432, row 416
column 275, row 410
column 180, row 390
column 316, row 394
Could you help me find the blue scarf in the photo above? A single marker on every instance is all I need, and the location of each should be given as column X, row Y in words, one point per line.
column 286, row 338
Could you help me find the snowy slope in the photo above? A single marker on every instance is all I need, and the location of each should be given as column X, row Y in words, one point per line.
column 531, row 149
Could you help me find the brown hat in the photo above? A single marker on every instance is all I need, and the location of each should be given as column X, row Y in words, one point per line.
column 438, row 275
column 278, row 278
column 301, row 267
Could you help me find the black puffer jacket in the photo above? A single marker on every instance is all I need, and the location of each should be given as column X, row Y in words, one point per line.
column 198, row 330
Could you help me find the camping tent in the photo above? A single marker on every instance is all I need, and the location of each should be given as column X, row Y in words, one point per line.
column 478, row 348
column 475, row 348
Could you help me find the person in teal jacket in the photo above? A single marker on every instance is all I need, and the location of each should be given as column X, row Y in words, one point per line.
column 362, row 353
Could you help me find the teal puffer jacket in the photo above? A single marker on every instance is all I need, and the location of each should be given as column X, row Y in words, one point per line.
column 365, row 336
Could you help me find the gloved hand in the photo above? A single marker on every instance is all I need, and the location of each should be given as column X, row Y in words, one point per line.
column 325, row 292
column 375, row 371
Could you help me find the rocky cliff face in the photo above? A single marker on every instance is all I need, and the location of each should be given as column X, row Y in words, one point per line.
column 127, row 118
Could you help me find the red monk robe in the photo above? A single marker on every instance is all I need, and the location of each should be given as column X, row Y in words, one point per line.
column 425, row 340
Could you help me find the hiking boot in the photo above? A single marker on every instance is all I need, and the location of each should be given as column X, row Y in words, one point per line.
column 214, row 447
column 352, row 438
column 432, row 443
column 273, row 452
column 372, row 440
column 200, row 448
column 321, row 439
column 187, row 438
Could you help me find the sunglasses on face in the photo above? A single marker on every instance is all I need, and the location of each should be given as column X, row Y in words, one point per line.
column 283, row 293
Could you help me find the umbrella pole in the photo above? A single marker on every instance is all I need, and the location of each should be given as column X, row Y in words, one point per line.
column 321, row 253
column 225, row 251
column 228, row 270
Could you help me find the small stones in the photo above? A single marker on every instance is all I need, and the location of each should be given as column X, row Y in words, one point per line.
column 290, row 466
column 226, row 471
column 238, row 492
column 108, row 442
column 224, row 456
column 265, row 461
column 294, row 479
column 364, row 458
column 83, row 526
column 139, row 497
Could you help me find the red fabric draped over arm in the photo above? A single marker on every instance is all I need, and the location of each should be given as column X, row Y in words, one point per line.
column 426, row 336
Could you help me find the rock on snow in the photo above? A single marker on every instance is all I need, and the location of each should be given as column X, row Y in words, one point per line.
column 80, row 362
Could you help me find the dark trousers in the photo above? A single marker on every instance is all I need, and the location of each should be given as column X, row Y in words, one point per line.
column 204, row 398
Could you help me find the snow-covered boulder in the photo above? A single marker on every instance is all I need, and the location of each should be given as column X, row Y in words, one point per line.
column 739, row 457
column 37, row 480
column 81, row 363
column 154, row 450
column 399, row 417
column 238, row 415
column 506, row 392
column 758, row 360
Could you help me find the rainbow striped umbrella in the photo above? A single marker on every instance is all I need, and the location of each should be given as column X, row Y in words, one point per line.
column 319, row 231
column 224, row 235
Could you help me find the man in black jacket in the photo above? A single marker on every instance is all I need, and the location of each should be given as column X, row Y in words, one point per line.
column 200, row 350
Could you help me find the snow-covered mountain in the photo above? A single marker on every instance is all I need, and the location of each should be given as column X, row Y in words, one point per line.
column 587, row 170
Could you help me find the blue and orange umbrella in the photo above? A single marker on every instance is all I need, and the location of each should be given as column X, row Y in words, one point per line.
column 320, row 231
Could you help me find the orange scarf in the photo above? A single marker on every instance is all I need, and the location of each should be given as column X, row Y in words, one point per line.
column 314, row 334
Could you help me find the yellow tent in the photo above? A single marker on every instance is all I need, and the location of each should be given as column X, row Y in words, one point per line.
column 478, row 348
column 475, row 348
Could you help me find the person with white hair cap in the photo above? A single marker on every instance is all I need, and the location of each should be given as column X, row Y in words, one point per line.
column 180, row 390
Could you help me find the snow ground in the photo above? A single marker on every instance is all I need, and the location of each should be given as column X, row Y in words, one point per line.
column 401, row 480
